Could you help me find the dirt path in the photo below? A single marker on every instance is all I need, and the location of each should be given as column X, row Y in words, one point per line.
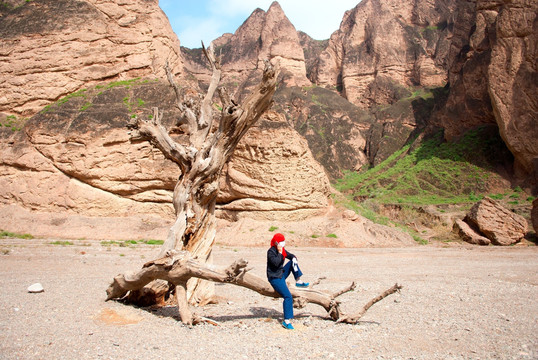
column 457, row 303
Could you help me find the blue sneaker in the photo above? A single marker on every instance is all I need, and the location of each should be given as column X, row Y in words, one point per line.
column 302, row 284
column 287, row 326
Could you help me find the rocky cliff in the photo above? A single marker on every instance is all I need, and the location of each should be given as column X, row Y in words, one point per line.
column 75, row 157
column 383, row 46
column 84, row 67
column 343, row 133
column 264, row 35
column 51, row 48
column 388, row 58
column 493, row 76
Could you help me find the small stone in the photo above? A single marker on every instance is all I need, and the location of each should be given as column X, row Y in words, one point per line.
column 36, row 288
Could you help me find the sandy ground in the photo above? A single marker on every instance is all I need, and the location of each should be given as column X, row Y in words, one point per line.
column 459, row 302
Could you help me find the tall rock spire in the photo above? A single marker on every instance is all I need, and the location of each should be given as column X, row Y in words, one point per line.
column 264, row 35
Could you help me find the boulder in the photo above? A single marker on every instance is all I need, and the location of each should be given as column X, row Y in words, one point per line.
column 469, row 234
column 498, row 224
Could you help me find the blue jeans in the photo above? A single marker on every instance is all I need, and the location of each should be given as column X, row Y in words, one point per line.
column 280, row 287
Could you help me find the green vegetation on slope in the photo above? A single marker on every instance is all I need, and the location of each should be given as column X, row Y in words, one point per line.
column 432, row 172
column 451, row 176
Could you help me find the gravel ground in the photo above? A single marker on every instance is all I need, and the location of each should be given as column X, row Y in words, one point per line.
column 458, row 302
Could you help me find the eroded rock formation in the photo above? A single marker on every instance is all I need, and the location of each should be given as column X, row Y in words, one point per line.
column 264, row 35
column 76, row 157
column 402, row 43
column 273, row 175
column 493, row 76
column 51, row 48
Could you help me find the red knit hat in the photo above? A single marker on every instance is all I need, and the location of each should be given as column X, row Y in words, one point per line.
column 278, row 238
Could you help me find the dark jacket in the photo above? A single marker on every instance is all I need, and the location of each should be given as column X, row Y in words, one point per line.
column 275, row 262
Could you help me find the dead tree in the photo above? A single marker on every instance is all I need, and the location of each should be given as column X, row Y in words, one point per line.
column 202, row 159
column 179, row 267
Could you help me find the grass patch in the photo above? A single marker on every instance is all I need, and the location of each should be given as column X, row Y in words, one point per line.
column 273, row 228
column 429, row 171
column 62, row 243
column 7, row 234
column 110, row 243
column 153, row 242
column 12, row 122
column 132, row 105
column 130, row 243
column 124, row 83
column 79, row 93
column 419, row 240
column 332, row 236
column 86, row 106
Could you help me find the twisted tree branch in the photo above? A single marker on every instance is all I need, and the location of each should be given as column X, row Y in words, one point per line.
column 178, row 267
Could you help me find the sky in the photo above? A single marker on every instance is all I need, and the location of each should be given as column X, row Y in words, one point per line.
column 194, row 21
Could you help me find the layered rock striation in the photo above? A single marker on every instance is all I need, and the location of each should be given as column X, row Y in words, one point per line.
column 76, row 157
column 51, row 48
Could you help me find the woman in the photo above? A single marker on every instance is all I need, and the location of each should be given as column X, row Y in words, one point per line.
column 277, row 273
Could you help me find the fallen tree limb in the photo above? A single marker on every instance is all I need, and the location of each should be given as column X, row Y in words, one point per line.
column 177, row 267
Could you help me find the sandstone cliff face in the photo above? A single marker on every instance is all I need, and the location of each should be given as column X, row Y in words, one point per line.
column 51, row 48
column 273, row 175
column 76, row 157
column 333, row 127
column 493, row 76
column 403, row 42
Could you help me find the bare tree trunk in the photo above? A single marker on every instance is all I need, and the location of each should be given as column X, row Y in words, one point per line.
column 202, row 160
column 179, row 267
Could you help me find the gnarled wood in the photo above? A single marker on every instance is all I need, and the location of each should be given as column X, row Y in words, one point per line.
column 201, row 160
column 179, row 267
